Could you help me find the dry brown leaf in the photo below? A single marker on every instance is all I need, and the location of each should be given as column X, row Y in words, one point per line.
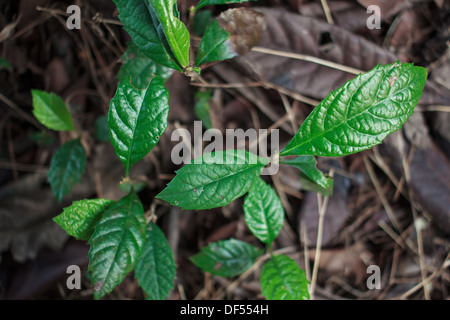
column 429, row 168
column 440, row 120
column 25, row 219
column 254, row 94
column 26, row 280
column 245, row 27
column 293, row 33
column 387, row 8
column 336, row 215
column 346, row 14
column 350, row 262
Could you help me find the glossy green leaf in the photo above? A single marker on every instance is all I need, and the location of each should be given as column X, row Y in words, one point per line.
column 213, row 180
column 155, row 269
column 264, row 213
column 51, row 111
column 80, row 218
column 137, row 119
column 140, row 68
column 215, row 45
column 170, row 28
column 361, row 113
column 203, row 3
column 66, row 168
column 116, row 244
column 312, row 178
column 138, row 22
column 160, row 32
column 226, row 258
column 282, row 279
column 202, row 107
column 4, row 64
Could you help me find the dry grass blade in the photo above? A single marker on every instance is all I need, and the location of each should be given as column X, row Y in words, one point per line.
column 327, row 11
column 379, row 190
column 308, row 58
column 322, row 204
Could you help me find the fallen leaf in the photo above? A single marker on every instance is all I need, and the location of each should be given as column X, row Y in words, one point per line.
column 245, row 27
column 346, row 14
column 27, row 280
column 335, row 217
column 387, row 8
column 25, row 219
column 349, row 262
column 429, row 168
column 293, row 33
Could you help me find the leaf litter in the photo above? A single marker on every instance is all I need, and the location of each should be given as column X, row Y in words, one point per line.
column 411, row 168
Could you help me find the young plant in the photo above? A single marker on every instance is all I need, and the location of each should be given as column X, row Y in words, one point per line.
column 353, row 118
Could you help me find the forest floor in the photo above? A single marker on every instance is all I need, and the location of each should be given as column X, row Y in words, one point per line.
column 390, row 206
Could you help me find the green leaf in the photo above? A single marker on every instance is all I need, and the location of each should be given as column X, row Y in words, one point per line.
column 226, row 258
column 282, row 279
column 80, row 218
column 155, row 269
column 213, row 180
column 202, row 107
column 4, row 64
column 140, row 68
column 203, row 3
column 102, row 129
column 201, row 21
column 138, row 22
column 51, row 111
column 66, row 168
column 361, row 113
column 175, row 31
column 137, row 119
column 264, row 213
column 116, row 244
column 311, row 177
column 215, row 45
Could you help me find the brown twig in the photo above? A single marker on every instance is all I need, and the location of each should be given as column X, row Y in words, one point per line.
column 22, row 113
column 322, row 206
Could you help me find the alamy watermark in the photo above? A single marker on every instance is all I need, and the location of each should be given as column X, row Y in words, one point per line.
column 190, row 149
column 374, row 21
column 74, row 280
column 374, row 280
column 74, row 21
